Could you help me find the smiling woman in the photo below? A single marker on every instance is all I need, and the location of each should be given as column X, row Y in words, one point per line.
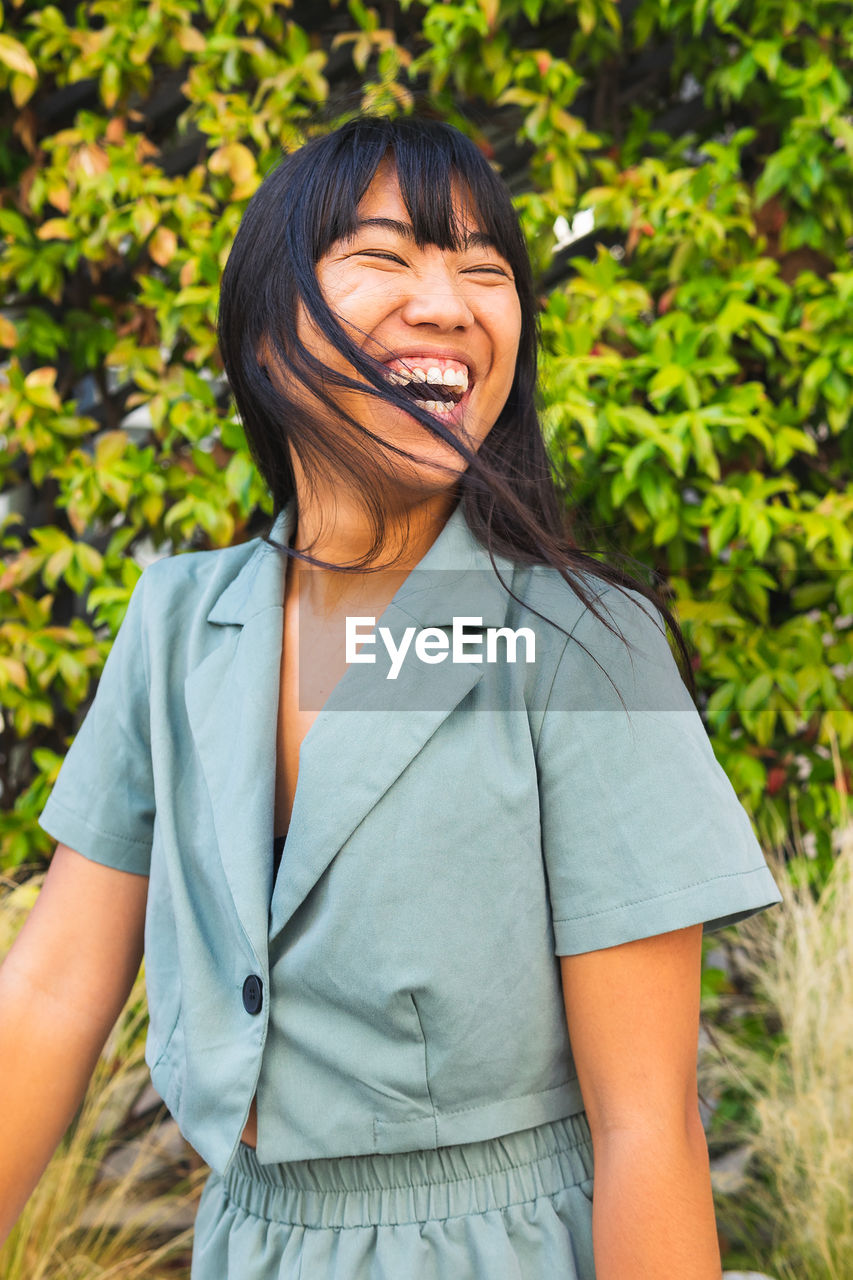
column 422, row 953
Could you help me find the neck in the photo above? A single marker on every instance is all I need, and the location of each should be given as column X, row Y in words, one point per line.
column 333, row 523
column 337, row 529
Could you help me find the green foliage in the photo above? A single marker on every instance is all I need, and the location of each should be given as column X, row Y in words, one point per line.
column 698, row 363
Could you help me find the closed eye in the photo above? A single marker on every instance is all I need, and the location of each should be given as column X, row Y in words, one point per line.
column 374, row 253
column 392, row 257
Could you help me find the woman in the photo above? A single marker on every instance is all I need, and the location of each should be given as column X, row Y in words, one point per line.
column 374, row 1044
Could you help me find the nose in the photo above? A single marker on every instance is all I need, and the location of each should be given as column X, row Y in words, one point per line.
column 437, row 298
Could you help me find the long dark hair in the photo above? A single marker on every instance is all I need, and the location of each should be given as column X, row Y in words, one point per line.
column 511, row 500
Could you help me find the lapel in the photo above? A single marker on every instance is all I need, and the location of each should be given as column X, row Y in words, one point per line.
column 368, row 731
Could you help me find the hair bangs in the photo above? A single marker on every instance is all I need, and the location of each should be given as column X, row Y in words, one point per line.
column 344, row 165
column 445, row 182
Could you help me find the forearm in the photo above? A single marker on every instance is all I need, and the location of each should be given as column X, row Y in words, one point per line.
column 653, row 1211
column 62, row 986
column 46, row 1058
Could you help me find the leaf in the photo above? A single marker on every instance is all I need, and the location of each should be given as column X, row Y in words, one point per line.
column 764, row 725
column 703, row 446
column 163, row 246
column 721, row 703
column 152, row 506
column 776, row 175
column 239, row 164
column 89, row 559
column 844, row 593
column 13, row 672
column 191, row 39
column 15, row 57
column 620, row 487
column 145, row 216
column 55, row 229
column 665, row 382
column 59, row 195
column 641, row 453
column 110, row 84
column 22, row 89
column 90, row 160
column 667, row 528
column 756, row 693
column 58, row 564
column 747, row 774
column 490, row 12
column 656, row 498
column 40, row 390
column 110, row 447
column 723, row 528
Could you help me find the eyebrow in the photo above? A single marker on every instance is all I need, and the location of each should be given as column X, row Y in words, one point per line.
column 474, row 239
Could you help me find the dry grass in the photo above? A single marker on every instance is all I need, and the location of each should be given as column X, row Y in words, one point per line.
column 798, row 1195
column 91, row 1218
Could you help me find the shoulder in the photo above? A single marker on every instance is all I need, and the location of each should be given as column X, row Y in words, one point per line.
column 178, row 597
column 201, row 568
column 606, row 651
column 194, row 580
column 588, row 603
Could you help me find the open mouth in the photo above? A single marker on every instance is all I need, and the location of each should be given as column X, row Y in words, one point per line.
column 439, row 385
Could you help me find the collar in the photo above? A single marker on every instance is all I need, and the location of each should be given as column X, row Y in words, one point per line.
column 454, row 578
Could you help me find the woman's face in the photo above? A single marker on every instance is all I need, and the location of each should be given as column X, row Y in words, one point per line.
column 430, row 315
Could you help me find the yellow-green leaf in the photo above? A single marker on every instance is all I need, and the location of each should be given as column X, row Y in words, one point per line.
column 15, row 57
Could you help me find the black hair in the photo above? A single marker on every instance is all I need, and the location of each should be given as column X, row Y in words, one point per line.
column 511, row 499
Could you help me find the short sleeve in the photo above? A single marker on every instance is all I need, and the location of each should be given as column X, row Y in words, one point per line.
column 102, row 804
column 642, row 832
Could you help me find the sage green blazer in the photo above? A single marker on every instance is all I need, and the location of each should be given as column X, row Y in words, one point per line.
column 454, row 831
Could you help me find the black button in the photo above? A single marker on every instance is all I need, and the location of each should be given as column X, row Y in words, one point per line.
column 253, row 994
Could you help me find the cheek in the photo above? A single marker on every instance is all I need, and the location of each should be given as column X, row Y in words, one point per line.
column 509, row 346
column 306, row 331
column 316, row 341
column 507, row 336
column 516, row 324
column 365, row 302
column 346, row 289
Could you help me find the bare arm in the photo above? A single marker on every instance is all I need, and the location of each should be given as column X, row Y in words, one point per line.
column 633, row 1018
column 62, row 986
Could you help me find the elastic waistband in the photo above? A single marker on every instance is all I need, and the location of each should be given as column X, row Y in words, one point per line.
column 415, row 1186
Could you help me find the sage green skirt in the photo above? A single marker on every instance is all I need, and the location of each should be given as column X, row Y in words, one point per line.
column 512, row 1208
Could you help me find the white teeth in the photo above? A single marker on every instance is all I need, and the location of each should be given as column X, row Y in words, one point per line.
column 456, row 378
column 437, row 406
